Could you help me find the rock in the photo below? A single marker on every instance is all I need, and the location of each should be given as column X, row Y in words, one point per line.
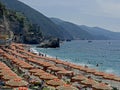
column 52, row 43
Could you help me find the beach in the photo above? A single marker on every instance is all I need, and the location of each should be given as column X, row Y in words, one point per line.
column 40, row 68
column 98, row 54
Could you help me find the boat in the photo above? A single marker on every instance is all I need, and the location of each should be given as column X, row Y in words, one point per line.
column 89, row 41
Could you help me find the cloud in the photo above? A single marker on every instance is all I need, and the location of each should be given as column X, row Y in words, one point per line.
column 103, row 13
column 111, row 8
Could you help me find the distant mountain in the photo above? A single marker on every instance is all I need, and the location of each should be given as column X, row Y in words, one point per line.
column 24, row 31
column 47, row 27
column 53, row 27
column 79, row 32
column 85, row 32
column 101, row 33
column 74, row 30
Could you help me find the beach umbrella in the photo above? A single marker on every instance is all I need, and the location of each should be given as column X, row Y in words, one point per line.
column 78, row 78
column 109, row 76
column 88, row 70
column 55, row 82
column 66, row 87
column 5, row 68
column 67, row 63
column 2, row 73
column 39, row 73
column 81, row 68
column 2, row 67
column 54, row 68
column 116, row 79
column 47, row 77
column 34, row 81
column 26, row 66
column 16, row 83
column 65, row 72
column 22, row 88
column 35, row 70
column 46, row 64
column 101, row 86
column 9, row 77
column 73, row 66
column 88, row 82
column 98, row 73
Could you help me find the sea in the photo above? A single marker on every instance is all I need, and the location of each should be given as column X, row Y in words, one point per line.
column 103, row 55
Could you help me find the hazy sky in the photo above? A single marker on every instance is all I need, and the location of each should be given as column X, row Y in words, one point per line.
column 102, row 13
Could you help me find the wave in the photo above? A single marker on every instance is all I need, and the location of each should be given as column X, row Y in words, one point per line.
column 111, row 71
column 33, row 50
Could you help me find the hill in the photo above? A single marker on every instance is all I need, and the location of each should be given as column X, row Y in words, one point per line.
column 47, row 27
column 78, row 32
column 53, row 27
column 24, row 31
column 101, row 33
column 85, row 32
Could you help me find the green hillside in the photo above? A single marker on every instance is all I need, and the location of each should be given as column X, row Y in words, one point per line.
column 46, row 25
column 24, row 31
column 53, row 27
column 74, row 30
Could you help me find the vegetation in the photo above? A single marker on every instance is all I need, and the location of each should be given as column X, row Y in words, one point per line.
column 47, row 27
column 24, row 31
column 52, row 27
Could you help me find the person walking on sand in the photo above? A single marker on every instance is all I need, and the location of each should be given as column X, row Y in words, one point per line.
column 56, row 57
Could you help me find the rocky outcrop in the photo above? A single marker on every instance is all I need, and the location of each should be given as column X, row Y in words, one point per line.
column 52, row 43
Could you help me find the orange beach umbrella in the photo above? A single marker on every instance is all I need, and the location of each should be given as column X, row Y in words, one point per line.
column 35, row 70
column 10, row 77
column 65, row 72
column 54, row 68
column 47, row 77
column 16, row 83
column 55, row 82
column 39, row 73
column 78, row 78
column 101, row 86
column 66, row 87
column 88, row 82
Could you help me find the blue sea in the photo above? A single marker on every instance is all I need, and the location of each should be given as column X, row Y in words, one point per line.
column 103, row 55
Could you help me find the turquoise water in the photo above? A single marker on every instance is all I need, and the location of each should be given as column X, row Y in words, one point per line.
column 104, row 53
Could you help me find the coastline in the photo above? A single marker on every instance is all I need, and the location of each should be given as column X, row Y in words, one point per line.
column 107, row 70
column 90, row 54
column 81, row 65
column 44, row 67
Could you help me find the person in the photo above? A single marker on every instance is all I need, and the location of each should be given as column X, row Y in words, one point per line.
column 45, row 55
column 2, row 83
column 56, row 57
column 86, row 66
column 97, row 65
column 42, row 85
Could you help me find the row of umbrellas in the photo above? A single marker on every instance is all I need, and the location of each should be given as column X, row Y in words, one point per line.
column 46, row 76
column 84, row 80
column 81, row 68
column 18, row 62
column 52, row 80
column 90, row 82
column 49, row 66
column 46, row 64
column 11, row 79
column 63, row 71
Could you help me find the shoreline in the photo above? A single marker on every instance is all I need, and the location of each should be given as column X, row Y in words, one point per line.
column 103, row 80
column 56, row 68
column 107, row 70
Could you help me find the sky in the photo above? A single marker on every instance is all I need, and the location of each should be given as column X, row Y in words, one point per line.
column 100, row 13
